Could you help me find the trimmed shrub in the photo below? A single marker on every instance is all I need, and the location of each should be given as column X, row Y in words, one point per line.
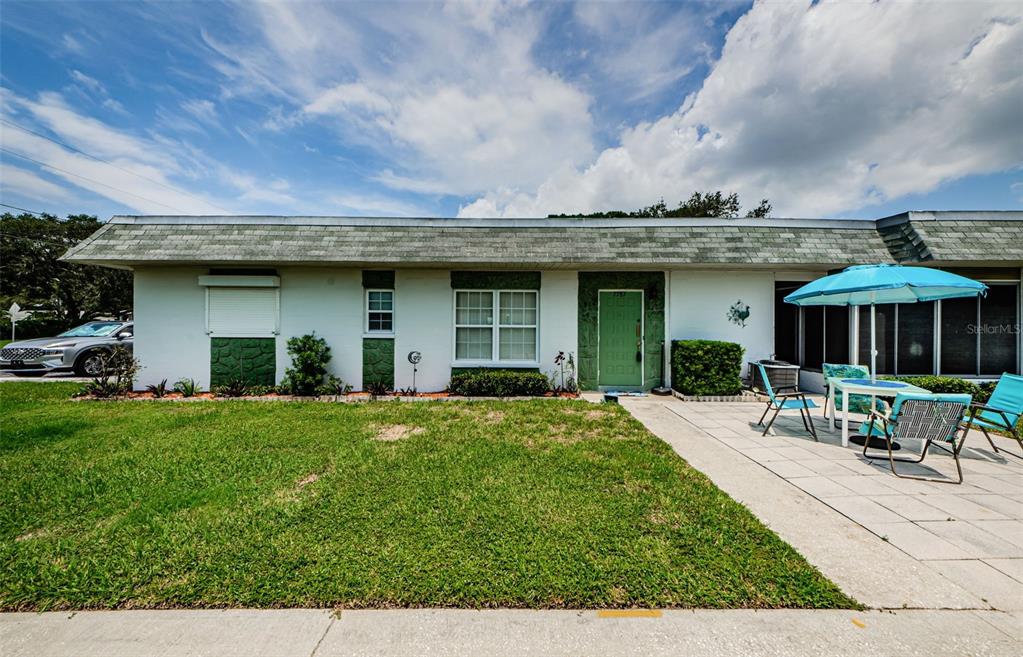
column 120, row 369
column 333, row 386
column 187, row 387
column 233, row 388
column 950, row 385
column 940, row 384
column 309, row 358
column 706, row 367
column 499, row 383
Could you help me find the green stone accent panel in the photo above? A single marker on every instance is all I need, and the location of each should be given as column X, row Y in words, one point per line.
column 378, row 280
column 378, row 361
column 590, row 284
column 495, row 280
column 253, row 360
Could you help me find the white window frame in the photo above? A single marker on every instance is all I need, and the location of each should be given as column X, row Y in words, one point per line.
column 378, row 333
column 495, row 326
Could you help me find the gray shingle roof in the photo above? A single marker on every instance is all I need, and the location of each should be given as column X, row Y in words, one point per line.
column 548, row 243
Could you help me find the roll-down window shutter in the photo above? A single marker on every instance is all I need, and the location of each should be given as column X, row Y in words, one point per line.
column 248, row 311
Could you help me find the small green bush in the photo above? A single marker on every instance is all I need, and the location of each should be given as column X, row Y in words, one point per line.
column 309, row 358
column 706, row 367
column 187, row 387
column 940, row 384
column 950, row 385
column 333, row 386
column 120, row 369
column 233, row 388
column 159, row 390
column 499, row 383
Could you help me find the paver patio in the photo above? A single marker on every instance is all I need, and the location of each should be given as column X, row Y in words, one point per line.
column 904, row 543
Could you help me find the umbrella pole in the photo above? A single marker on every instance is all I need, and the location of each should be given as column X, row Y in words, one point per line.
column 873, row 346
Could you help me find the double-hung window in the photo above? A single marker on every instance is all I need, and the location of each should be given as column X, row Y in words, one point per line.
column 496, row 326
column 379, row 311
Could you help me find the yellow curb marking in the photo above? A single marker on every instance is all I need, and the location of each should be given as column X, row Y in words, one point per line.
column 629, row 613
column 858, row 623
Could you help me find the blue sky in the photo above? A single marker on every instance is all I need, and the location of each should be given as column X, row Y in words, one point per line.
column 509, row 108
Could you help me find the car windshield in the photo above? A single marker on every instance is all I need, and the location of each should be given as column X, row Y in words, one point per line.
column 92, row 330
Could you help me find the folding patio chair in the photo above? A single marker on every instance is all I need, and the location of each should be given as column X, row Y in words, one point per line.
column 1002, row 411
column 935, row 419
column 789, row 401
column 857, row 403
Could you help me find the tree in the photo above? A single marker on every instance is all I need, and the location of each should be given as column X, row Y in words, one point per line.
column 709, row 204
column 33, row 275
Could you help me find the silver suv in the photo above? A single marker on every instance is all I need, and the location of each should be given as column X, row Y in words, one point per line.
column 81, row 349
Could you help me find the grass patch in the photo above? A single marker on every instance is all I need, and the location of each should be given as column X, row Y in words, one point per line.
column 539, row 503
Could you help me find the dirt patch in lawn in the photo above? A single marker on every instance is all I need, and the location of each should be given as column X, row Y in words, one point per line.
column 41, row 532
column 495, row 417
column 305, row 481
column 395, row 432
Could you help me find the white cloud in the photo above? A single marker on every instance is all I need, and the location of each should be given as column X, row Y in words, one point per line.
column 450, row 94
column 90, row 83
column 153, row 175
column 822, row 109
column 15, row 180
column 372, row 205
column 644, row 48
column 72, row 44
column 204, row 111
column 94, row 90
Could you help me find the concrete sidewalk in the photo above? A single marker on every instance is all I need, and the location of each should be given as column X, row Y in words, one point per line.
column 320, row 633
column 930, row 547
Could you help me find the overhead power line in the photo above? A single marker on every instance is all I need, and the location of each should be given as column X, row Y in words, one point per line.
column 92, row 180
column 14, row 207
column 108, row 163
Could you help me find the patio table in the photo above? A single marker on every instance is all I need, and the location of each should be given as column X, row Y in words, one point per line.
column 848, row 387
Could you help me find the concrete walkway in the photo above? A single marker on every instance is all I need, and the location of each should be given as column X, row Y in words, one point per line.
column 888, row 542
column 319, row 633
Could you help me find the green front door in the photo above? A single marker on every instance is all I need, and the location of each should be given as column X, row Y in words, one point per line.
column 619, row 357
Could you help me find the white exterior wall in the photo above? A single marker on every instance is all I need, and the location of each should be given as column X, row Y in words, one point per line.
column 424, row 322
column 559, row 316
column 328, row 301
column 699, row 302
column 170, row 325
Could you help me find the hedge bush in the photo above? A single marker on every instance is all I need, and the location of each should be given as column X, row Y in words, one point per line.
column 706, row 367
column 949, row 385
column 309, row 358
column 498, row 383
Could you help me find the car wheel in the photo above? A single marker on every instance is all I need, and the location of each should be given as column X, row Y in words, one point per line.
column 90, row 364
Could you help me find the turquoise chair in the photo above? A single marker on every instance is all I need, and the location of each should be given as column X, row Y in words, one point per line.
column 857, row 403
column 935, row 419
column 789, row 401
column 1002, row 410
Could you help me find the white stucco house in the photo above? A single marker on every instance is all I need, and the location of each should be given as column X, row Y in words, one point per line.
column 215, row 296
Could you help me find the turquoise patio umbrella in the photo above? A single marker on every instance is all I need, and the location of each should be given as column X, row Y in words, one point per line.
column 863, row 285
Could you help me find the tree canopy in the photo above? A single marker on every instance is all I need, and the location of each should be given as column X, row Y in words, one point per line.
column 708, row 204
column 33, row 276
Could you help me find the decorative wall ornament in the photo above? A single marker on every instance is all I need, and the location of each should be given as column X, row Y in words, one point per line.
column 738, row 313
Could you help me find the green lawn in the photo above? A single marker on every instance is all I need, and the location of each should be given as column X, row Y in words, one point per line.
column 491, row 504
column 4, row 343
